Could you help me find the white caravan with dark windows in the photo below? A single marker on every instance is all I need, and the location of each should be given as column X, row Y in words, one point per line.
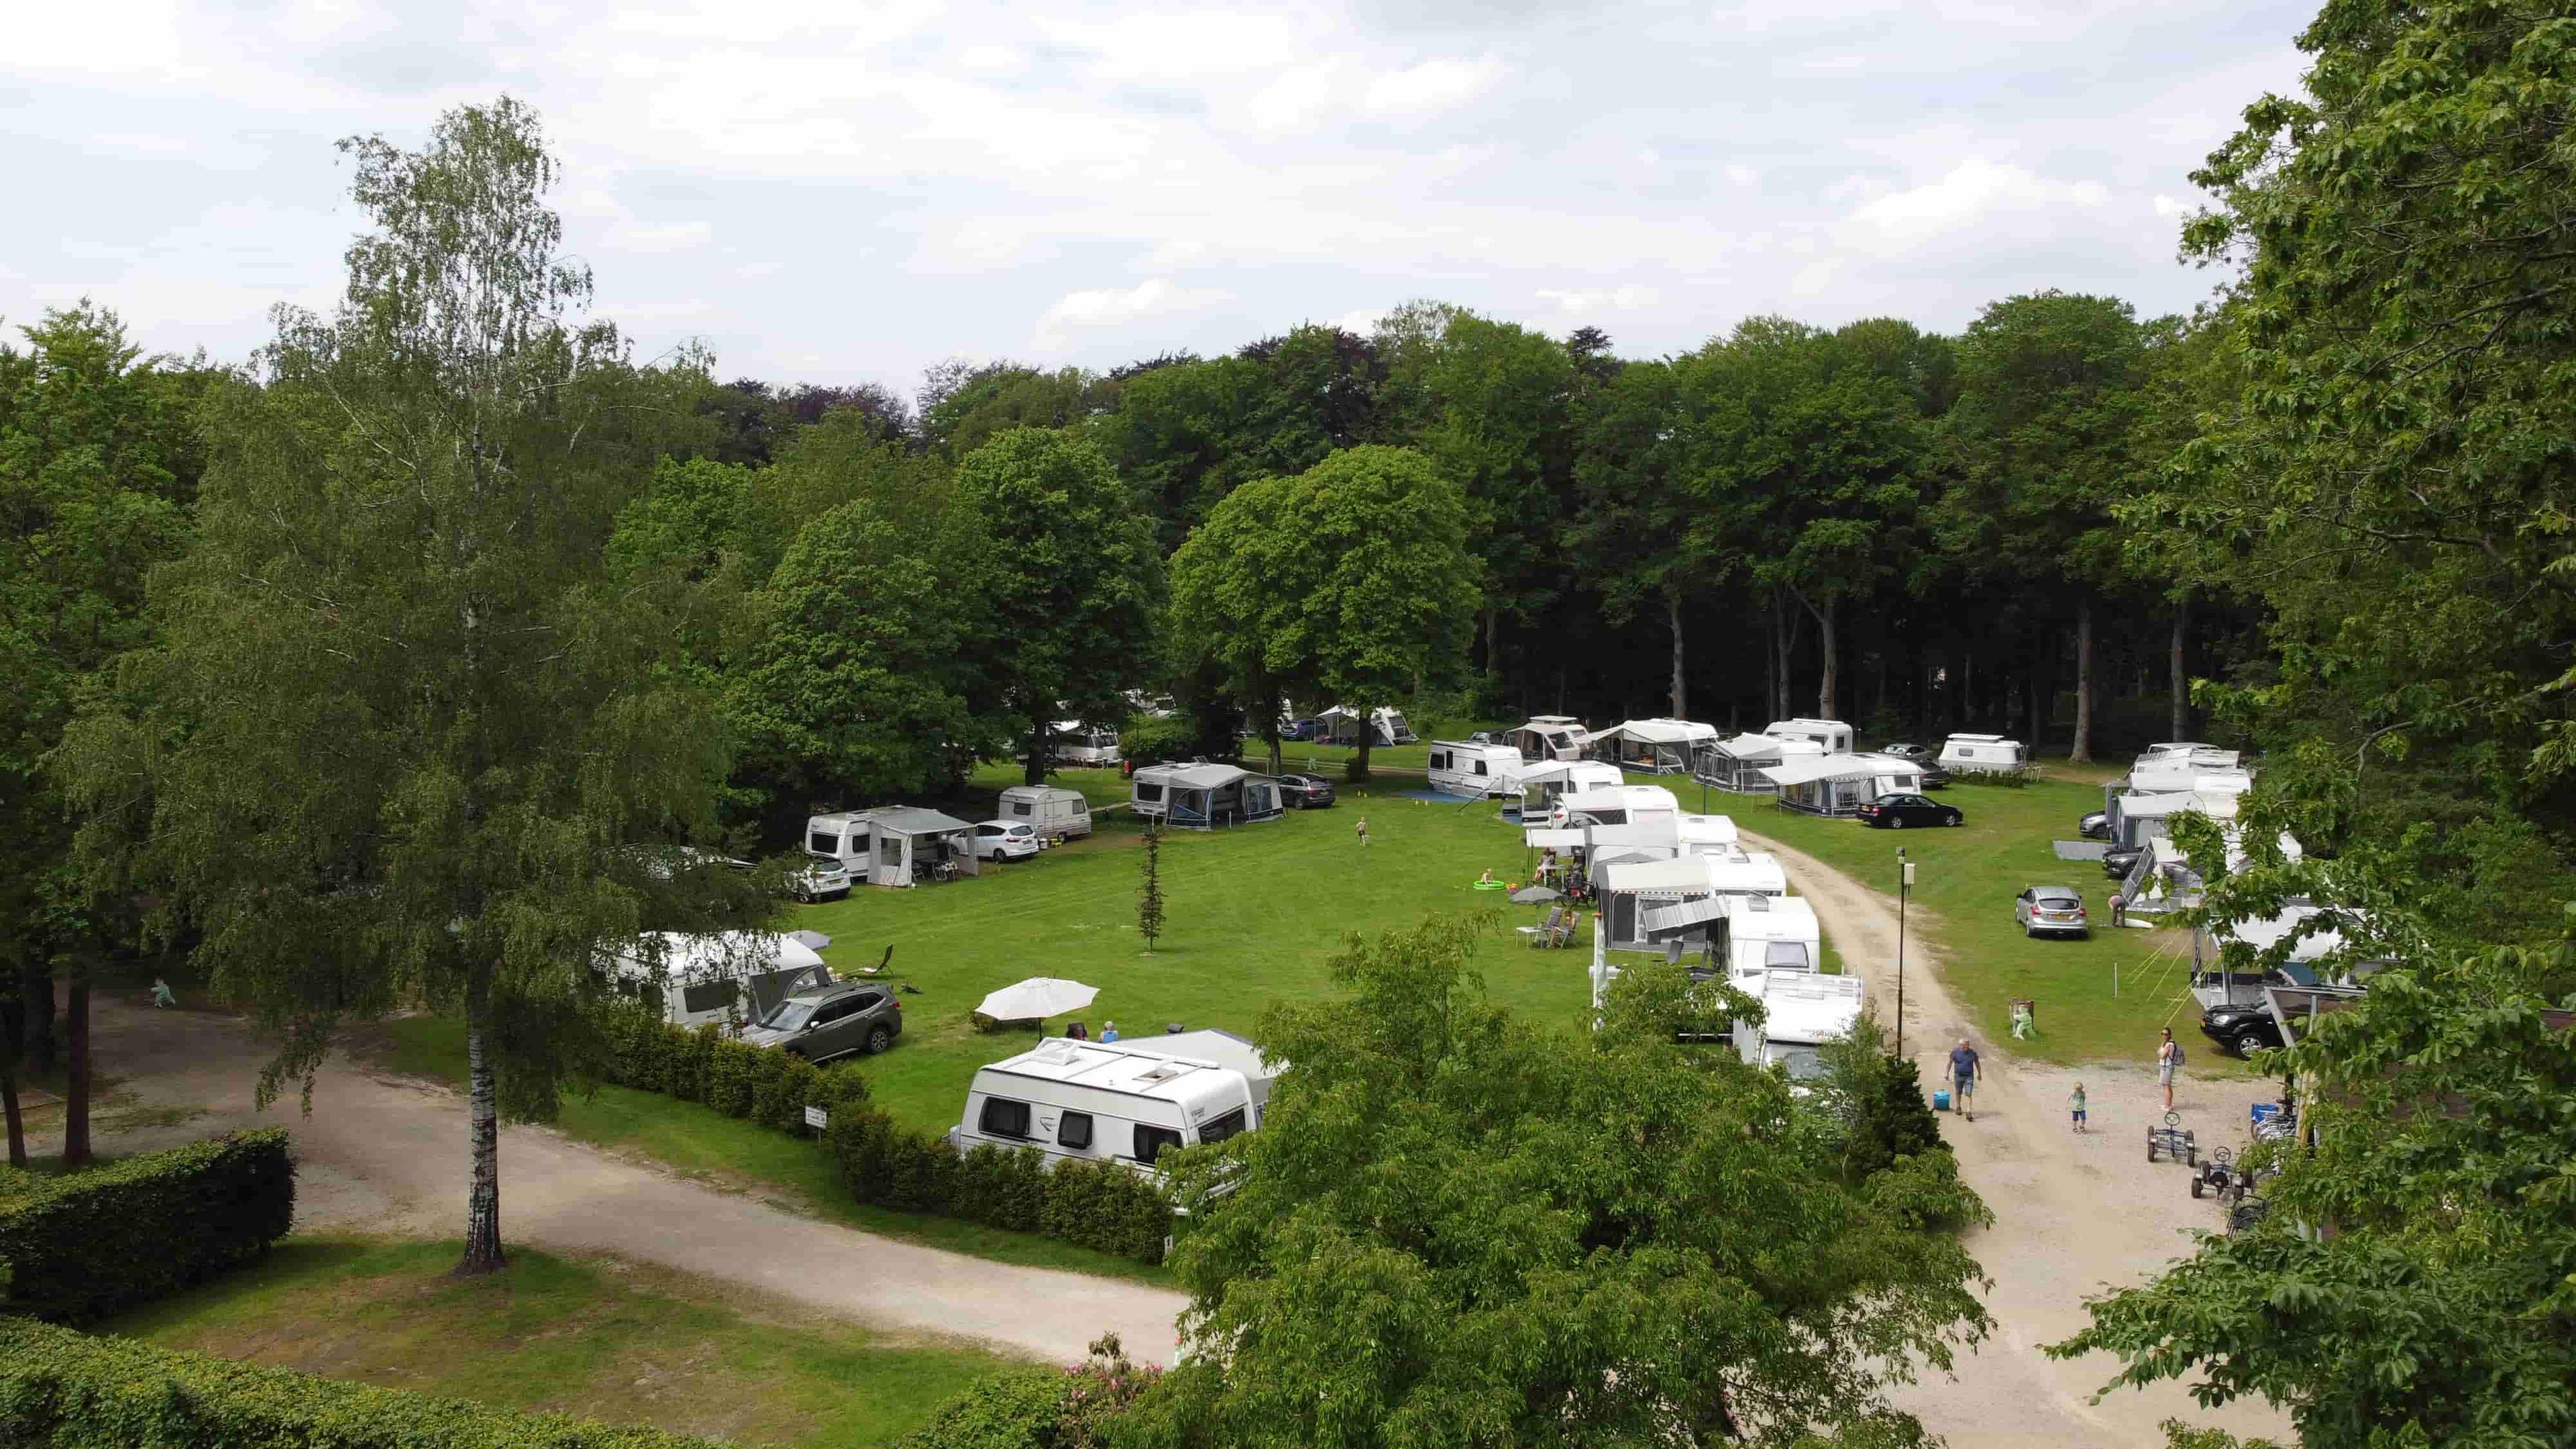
column 1459, row 768
column 1089, row 1101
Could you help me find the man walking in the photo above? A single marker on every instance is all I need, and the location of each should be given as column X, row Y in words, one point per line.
column 1963, row 1079
column 2168, row 1061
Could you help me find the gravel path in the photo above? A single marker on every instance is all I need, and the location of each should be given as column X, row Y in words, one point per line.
column 387, row 1154
column 2074, row 1215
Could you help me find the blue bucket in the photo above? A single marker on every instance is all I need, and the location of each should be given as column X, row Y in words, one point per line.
column 1941, row 1100
column 2265, row 1112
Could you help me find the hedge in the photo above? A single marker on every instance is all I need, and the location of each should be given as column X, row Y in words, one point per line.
column 78, row 1248
column 64, row 1390
column 756, row 1084
column 1101, row 1206
column 1016, row 1410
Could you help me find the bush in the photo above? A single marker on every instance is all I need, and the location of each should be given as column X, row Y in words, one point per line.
column 755, row 1084
column 63, row 1390
column 78, row 1248
column 1104, row 1206
column 1041, row 1409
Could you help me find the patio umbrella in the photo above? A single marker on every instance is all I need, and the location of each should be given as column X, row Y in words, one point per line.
column 810, row 940
column 1035, row 998
column 1536, row 895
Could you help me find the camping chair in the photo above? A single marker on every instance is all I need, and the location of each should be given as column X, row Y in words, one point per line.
column 879, row 968
column 1541, row 934
column 1562, row 933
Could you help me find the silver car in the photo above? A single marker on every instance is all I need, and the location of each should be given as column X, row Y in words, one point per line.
column 820, row 879
column 2051, row 910
column 831, row 1021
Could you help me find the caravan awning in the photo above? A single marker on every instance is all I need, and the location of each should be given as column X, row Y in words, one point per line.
column 1836, row 767
column 915, row 820
column 1686, row 876
column 1753, row 747
column 1681, row 917
column 1540, row 837
column 1660, row 731
column 1650, row 835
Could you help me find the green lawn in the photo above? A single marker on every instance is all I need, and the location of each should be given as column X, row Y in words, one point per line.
column 608, row 1340
column 1965, row 881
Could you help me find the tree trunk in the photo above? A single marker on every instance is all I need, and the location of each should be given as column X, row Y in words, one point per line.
column 13, row 1020
column 1038, row 732
column 1963, row 706
column 2177, row 679
column 483, row 1200
column 1828, row 642
column 1368, row 736
column 2081, row 752
column 2038, row 709
column 76, row 1067
column 1673, row 609
column 1493, row 638
column 1771, row 661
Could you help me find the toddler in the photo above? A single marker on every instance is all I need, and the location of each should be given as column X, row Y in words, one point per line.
column 2075, row 1102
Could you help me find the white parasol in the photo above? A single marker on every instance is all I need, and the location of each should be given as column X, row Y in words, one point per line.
column 1037, row 998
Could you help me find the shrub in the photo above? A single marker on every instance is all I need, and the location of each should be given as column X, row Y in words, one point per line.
column 77, row 1248
column 1017, row 1410
column 64, row 1390
column 1104, row 1206
column 756, row 1084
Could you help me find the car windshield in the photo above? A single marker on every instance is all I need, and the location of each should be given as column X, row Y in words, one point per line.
column 2299, row 975
column 789, row 1015
column 2058, row 897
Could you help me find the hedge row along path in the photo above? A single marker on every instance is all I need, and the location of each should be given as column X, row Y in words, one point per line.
column 2073, row 1215
column 387, row 1154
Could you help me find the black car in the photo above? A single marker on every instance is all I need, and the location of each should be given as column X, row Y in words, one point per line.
column 1896, row 812
column 2239, row 1030
column 831, row 1021
column 2119, row 860
column 1305, row 792
column 1934, row 777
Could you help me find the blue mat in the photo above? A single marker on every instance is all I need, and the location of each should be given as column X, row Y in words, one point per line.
column 1437, row 797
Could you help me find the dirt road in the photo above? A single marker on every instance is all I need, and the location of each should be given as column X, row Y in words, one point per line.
column 386, row 1154
column 2074, row 1215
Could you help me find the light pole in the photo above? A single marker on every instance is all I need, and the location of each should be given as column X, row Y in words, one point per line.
column 1904, row 881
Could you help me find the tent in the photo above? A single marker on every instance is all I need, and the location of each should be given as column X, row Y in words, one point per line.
column 1736, row 765
column 1204, row 796
column 1340, row 725
column 1655, row 746
column 1840, row 784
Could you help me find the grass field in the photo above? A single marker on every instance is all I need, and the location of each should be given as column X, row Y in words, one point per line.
column 609, row 1340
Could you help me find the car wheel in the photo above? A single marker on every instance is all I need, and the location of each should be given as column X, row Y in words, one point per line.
column 1958, row 819
column 2246, row 1043
column 1896, row 822
column 878, row 1039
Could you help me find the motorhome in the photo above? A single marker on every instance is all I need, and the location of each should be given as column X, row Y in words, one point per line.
column 1982, row 754
column 894, row 845
column 1075, row 743
column 1651, row 746
column 1831, row 735
column 1121, row 1102
column 1460, row 768
column 1054, row 813
column 1801, row 1011
column 728, row 978
column 1548, row 737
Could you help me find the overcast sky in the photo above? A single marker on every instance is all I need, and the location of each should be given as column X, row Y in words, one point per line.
column 839, row 192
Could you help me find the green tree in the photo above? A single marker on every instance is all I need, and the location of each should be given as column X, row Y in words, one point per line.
column 97, row 468
column 398, row 740
column 1234, row 604
column 1074, row 580
column 964, row 407
column 1645, row 529
column 1504, row 431
column 1149, row 890
column 1433, row 1241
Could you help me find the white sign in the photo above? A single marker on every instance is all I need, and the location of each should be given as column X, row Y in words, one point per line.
column 817, row 1118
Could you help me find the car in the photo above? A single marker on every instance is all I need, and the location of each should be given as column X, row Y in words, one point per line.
column 2096, row 826
column 2119, row 860
column 831, row 1021
column 1305, row 792
column 1897, row 811
column 821, row 878
column 1919, row 754
column 1297, row 729
column 1006, row 840
column 1934, row 777
column 2240, row 1029
column 2053, row 910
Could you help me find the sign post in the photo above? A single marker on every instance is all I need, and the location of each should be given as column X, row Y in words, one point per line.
column 817, row 1118
column 1904, row 884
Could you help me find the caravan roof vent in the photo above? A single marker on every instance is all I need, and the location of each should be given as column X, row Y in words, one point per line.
column 1060, row 1052
column 1759, row 903
column 1163, row 1073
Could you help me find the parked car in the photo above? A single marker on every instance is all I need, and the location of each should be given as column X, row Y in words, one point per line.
column 1919, row 754
column 1305, row 792
column 1934, row 777
column 1298, row 729
column 831, row 1021
column 1896, row 812
column 821, row 878
column 2051, row 910
column 2239, row 1029
column 1006, row 840
column 2119, row 860
column 2096, row 826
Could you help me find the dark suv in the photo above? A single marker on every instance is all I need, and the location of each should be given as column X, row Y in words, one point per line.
column 831, row 1021
column 1305, row 792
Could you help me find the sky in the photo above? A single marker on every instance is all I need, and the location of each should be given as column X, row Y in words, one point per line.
column 848, row 192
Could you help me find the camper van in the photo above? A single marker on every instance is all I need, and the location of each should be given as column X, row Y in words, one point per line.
column 1832, row 735
column 1759, row 933
column 1459, row 768
column 1801, row 1011
column 1982, row 754
column 1054, row 813
column 1072, row 742
column 1122, row 1102
column 728, row 978
column 1548, row 737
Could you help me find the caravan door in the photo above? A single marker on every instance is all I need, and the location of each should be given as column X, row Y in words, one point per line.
column 892, row 860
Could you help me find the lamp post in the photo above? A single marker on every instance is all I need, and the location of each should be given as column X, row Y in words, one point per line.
column 1904, row 882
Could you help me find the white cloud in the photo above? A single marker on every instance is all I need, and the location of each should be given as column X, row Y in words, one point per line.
column 1971, row 193
column 1587, row 300
column 1743, row 175
column 1111, row 307
column 2166, row 206
column 1431, row 87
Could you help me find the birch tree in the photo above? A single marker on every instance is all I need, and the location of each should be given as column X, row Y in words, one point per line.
column 398, row 740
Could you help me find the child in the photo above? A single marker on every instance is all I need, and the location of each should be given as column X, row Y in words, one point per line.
column 1362, row 825
column 2076, row 1103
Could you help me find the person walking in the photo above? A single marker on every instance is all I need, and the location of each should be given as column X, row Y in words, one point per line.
column 1361, row 825
column 2168, row 1061
column 1963, row 1079
column 2075, row 1103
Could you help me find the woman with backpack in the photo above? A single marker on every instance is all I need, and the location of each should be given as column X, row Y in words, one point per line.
column 2168, row 1062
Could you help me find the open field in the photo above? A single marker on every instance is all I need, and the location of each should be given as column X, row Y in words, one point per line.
column 605, row 1339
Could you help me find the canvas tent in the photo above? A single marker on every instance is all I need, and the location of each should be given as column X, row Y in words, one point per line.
column 1736, row 765
column 1840, row 784
column 1655, row 746
column 1204, row 796
column 1341, row 726
column 892, row 845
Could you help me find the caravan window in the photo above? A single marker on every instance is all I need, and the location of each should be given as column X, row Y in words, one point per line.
column 1004, row 1118
column 1789, row 954
column 1151, row 1141
column 1480, row 767
column 1020, row 808
column 1223, row 1127
column 706, row 996
column 1148, row 791
column 1073, row 1130
column 1440, row 759
column 824, row 842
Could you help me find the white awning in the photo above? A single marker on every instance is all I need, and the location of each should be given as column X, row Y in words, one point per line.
column 1541, row 837
column 1687, row 876
column 1660, row 731
column 1838, row 767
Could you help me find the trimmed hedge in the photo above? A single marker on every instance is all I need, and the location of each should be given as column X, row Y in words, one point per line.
column 64, row 1390
column 1101, row 1206
column 755, row 1084
column 77, row 1248
column 1016, row 1410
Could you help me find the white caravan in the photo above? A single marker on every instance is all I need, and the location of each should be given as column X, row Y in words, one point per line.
column 1543, row 785
column 893, row 845
column 1548, row 737
column 729, row 978
column 1982, row 754
column 1622, row 805
column 1706, row 835
column 1076, row 743
column 1801, row 1011
column 1055, row 813
column 1460, row 768
column 1340, row 725
column 1832, row 735
column 1759, row 933
column 1088, row 1101
column 1636, row 894
column 1841, row 784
